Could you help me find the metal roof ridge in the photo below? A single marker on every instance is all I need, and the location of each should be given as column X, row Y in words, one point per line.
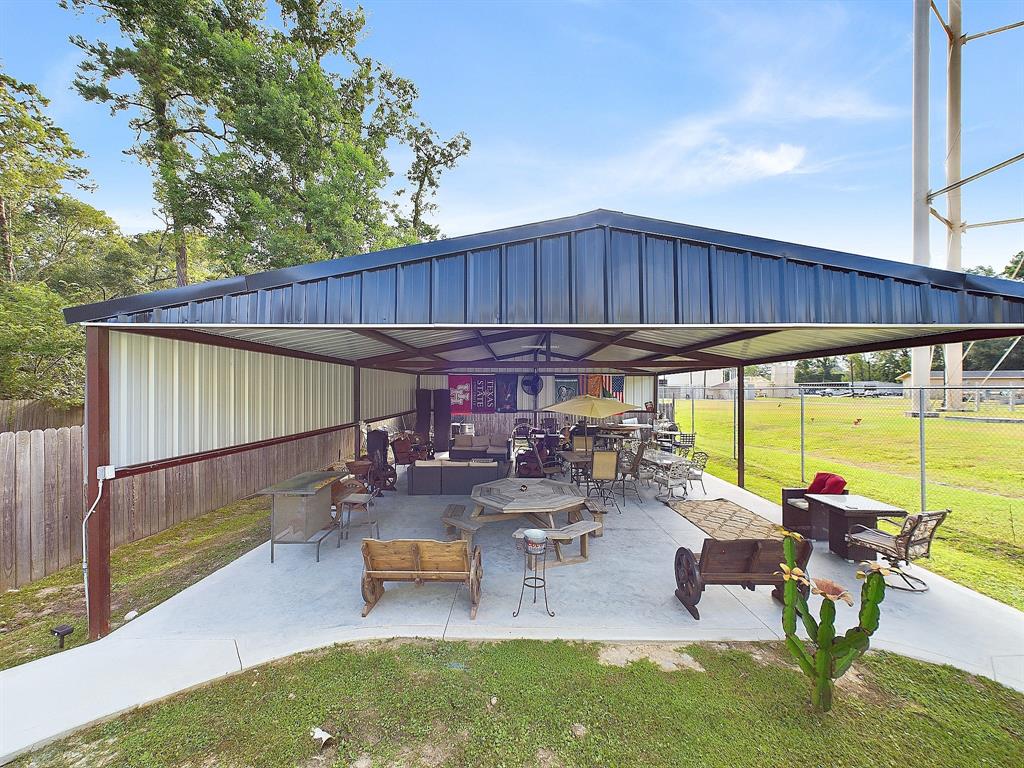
column 550, row 227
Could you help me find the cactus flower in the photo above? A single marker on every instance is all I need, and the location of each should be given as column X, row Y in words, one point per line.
column 795, row 573
column 830, row 590
column 787, row 534
column 874, row 566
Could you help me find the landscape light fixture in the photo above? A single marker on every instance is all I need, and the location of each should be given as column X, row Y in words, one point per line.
column 60, row 632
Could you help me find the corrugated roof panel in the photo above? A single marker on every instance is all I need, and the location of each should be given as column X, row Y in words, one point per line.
column 413, row 292
column 554, row 285
column 345, row 299
column 692, row 281
column 588, row 273
column 379, row 296
column 483, row 286
column 519, row 281
column 659, row 277
column 449, row 290
column 624, row 273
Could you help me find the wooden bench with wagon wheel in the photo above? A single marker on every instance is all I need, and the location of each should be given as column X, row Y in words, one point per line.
column 747, row 563
column 420, row 560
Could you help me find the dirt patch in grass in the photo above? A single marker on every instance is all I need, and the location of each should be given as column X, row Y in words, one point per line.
column 667, row 656
column 545, row 758
column 857, row 682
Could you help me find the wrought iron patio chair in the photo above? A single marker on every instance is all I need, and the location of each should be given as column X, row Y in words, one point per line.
column 913, row 542
column 675, row 476
column 630, row 473
column 683, row 443
column 695, row 471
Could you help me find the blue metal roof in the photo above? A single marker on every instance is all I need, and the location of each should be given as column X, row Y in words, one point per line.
column 596, row 268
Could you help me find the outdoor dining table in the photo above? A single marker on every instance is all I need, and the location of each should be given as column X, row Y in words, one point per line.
column 662, row 459
column 844, row 512
column 578, row 462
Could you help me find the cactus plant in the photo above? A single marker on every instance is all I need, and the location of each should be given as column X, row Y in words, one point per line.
column 831, row 656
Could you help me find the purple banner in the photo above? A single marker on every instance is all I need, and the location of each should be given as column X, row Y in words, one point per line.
column 483, row 394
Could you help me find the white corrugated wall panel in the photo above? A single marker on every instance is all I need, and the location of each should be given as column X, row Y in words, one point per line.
column 638, row 390
column 385, row 393
column 171, row 398
column 434, row 381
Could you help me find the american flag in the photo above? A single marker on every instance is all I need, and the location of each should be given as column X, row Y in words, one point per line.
column 604, row 386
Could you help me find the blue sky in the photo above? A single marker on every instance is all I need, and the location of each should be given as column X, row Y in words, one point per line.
column 788, row 120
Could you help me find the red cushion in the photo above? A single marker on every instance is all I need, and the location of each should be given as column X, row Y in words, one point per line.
column 835, row 484
column 818, row 483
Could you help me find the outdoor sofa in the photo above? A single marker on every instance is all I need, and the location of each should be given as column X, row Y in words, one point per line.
column 452, row 478
column 466, row 447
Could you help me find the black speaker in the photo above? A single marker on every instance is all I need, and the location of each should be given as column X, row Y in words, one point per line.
column 442, row 419
column 423, row 400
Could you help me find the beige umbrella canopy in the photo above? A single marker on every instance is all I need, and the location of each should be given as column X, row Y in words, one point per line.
column 592, row 407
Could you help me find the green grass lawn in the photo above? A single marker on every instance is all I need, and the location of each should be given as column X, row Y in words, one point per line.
column 143, row 574
column 976, row 469
column 547, row 704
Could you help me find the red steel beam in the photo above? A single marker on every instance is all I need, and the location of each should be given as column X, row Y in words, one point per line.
column 611, row 341
column 370, row 333
column 97, row 427
column 661, row 350
column 697, row 350
column 553, row 364
column 450, row 346
column 949, row 337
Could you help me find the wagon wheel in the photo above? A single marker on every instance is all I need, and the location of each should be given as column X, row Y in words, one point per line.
column 689, row 584
column 383, row 478
column 474, row 591
column 369, row 593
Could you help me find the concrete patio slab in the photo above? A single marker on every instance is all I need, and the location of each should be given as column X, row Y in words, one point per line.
column 251, row 611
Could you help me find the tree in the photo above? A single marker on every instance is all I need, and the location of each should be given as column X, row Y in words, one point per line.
column 890, row 363
column 817, row 369
column 1015, row 269
column 41, row 357
column 304, row 177
column 169, row 77
column 35, row 157
column 431, row 158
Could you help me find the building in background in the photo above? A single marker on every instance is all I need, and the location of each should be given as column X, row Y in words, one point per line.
column 996, row 380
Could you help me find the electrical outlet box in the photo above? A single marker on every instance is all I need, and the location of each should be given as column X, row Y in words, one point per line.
column 105, row 472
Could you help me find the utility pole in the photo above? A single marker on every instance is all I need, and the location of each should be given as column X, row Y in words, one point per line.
column 953, row 354
column 953, row 220
column 920, row 357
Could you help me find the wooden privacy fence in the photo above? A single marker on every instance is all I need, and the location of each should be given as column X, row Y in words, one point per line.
column 43, row 498
column 42, row 495
column 19, row 415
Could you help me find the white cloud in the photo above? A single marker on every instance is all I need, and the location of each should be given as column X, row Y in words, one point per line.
column 756, row 137
column 771, row 99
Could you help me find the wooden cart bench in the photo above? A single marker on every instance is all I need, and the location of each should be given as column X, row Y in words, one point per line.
column 744, row 562
column 420, row 560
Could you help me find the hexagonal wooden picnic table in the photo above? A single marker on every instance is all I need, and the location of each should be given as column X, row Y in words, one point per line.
column 538, row 499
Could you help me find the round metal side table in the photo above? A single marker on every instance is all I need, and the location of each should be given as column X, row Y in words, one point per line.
column 535, row 548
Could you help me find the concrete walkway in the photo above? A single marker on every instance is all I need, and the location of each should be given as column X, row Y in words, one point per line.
column 251, row 612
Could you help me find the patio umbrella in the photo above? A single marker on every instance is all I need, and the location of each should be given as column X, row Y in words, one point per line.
column 592, row 407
